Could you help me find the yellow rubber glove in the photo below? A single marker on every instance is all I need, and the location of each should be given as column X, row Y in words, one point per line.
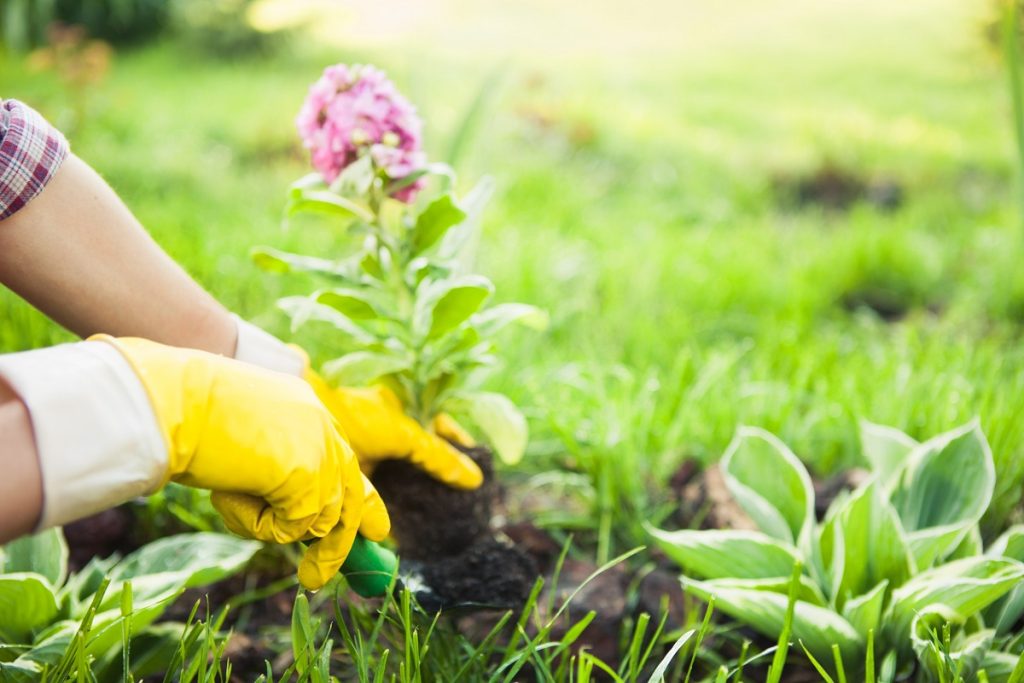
column 373, row 421
column 261, row 441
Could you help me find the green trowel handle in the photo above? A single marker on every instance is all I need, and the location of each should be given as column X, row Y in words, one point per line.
column 369, row 568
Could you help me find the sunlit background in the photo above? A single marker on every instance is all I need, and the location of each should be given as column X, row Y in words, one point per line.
column 792, row 214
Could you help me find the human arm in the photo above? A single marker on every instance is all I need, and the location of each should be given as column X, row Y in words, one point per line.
column 21, row 487
column 112, row 419
column 78, row 254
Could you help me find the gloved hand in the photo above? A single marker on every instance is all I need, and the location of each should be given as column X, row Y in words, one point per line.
column 378, row 429
column 372, row 419
column 265, row 446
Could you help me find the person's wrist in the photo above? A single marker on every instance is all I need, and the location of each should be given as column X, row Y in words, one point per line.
column 258, row 347
column 96, row 435
column 21, row 487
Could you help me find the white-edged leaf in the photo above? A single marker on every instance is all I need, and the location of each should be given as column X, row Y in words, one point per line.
column 965, row 652
column 1005, row 613
column 204, row 557
column 808, row 591
column 27, row 602
column 499, row 419
column 362, row 367
column 886, row 450
column 948, row 480
column 875, row 547
column 765, row 612
column 770, row 483
column 930, row 545
column 864, row 612
column 727, row 553
column 45, row 553
column 965, row 586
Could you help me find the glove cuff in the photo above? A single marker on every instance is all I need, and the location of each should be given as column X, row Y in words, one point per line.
column 257, row 347
column 96, row 435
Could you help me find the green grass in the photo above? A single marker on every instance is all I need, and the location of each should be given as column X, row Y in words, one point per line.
column 637, row 202
column 637, row 164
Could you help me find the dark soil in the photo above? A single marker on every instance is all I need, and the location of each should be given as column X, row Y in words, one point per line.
column 837, row 189
column 827, row 490
column 430, row 519
column 487, row 573
column 447, row 534
column 102, row 535
column 704, row 500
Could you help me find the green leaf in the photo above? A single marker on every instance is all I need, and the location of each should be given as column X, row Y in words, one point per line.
column 727, row 553
column 362, row 367
column 499, row 419
column 491, row 321
column 27, row 602
column 864, row 612
column 355, row 179
column 45, row 553
column 945, row 489
column 965, row 653
column 352, row 303
column 460, row 239
column 327, row 202
column 765, row 612
column 875, row 548
column 965, row 586
column 807, row 590
column 20, row 672
column 277, row 261
column 886, row 450
column 203, row 558
column 1005, row 613
column 431, row 225
column 770, row 483
column 303, row 309
column 443, row 305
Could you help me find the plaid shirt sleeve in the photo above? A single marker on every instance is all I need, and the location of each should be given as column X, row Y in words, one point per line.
column 31, row 151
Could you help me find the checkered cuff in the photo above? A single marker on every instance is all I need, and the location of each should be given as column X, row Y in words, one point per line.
column 31, row 151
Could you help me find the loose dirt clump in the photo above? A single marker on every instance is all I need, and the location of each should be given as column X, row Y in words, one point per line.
column 447, row 533
column 489, row 572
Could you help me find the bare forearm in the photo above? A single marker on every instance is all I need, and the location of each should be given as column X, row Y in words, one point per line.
column 79, row 255
column 21, row 487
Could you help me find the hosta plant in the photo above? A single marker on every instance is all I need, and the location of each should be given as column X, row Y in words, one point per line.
column 397, row 294
column 110, row 604
column 898, row 562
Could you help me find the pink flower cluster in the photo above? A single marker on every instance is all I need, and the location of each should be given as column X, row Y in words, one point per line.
column 356, row 110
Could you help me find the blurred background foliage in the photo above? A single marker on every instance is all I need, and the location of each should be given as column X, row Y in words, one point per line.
column 792, row 214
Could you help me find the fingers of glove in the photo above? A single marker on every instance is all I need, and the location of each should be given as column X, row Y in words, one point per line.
column 253, row 517
column 443, row 462
column 445, row 426
column 376, row 524
column 323, row 558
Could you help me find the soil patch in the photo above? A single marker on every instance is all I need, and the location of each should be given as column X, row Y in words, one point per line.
column 448, row 534
column 834, row 188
